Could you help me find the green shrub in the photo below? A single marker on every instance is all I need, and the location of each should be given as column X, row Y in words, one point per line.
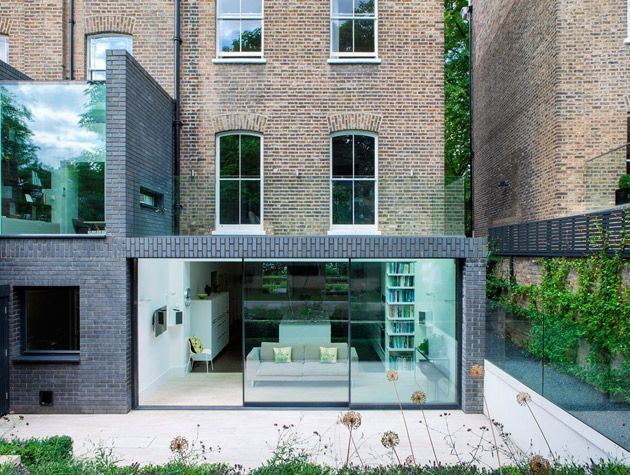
column 624, row 181
column 39, row 451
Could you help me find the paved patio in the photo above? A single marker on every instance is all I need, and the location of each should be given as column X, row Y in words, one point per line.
column 248, row 437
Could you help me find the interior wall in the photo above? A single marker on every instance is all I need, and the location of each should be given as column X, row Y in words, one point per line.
column 161, row 282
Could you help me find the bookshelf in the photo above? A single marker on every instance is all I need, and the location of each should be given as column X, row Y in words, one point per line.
column 400, row 321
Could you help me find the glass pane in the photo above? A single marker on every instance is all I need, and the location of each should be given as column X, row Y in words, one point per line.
column 250, row 156
column 364, row 147
column 251, row 7
column 342, row 202
column 364, row 202
column 364, row 36
column 229, row 7
column 300, row 310
column 342, row 156
column 250, row 202
column 363, row 7
column 411, row 331
column 52, row 319
column 229, row 36
column 4, row 49
column 100, row 45
column 342, row 36
column 229, row 156
column 342, row 7
column 251, row 38
column 228, row 202
column 52, row 182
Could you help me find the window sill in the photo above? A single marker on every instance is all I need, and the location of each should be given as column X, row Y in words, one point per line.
column 354, row 231
column 48, row 359
column 239, row 60
column 354, row 61
column 239, row 231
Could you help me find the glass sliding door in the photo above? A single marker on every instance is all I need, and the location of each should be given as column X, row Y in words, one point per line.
column 296, row 332
column 404, row 319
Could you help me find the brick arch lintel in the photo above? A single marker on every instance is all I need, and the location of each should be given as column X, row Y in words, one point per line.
column 251, row 122
column 354, row 121
column 109, row 24
column 5, row 26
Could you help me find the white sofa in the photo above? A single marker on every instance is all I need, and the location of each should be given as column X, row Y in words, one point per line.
column 305, row 363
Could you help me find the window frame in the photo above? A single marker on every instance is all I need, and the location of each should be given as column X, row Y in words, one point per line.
column 24, row 351
column 4, row 40
column 247, row 229
column 344, row 229
column 627, row 40
column 247, row 56
column 88, row 50
column 339, row 56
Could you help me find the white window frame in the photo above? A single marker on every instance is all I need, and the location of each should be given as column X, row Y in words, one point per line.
column 4, row 45
column 247, row 56
column 628, row 21
column 88, row 49
column 353, row 229
column 339, row 56
column 232, row 229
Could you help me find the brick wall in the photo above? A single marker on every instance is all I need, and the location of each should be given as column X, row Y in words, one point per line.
column 302, row 98
column 550, row 79
column 139, row 149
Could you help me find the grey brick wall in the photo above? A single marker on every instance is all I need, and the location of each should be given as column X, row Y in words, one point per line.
column 9, row 73
column 473, row 332
column 139, row 148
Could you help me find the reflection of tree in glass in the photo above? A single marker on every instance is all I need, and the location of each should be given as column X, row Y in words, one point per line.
column 19, row 156
column 90, row 165
column 250, row 40
column 364, row 6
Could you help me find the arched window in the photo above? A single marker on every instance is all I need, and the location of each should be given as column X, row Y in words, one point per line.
column 4, row 48
column 97, row 46
column 239, row 182
column 353, row 181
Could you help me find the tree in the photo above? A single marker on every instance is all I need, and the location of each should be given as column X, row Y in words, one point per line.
column 457, row 95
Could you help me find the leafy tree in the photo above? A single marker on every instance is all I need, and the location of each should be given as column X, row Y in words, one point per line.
column 457, row 95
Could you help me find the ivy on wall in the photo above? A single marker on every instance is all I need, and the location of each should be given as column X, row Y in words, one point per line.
column 578, row 316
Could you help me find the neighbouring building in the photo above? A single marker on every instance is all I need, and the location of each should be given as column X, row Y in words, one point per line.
column 551, row 105
column 232, row 202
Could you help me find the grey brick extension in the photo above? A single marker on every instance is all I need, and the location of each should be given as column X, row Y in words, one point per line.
column 139, row 138
column 9, row 73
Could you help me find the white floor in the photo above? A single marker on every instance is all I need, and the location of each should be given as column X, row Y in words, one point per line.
column 249, row 437
column 226, row 389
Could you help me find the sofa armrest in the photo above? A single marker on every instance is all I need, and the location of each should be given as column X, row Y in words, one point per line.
column 252, row 363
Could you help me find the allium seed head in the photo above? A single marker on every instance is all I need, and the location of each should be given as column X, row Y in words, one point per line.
column 477, row 371
column 418, row 397
column 392, row 375
column 179, row 445
column 523, row 398
column 410, row 461
column 539, row 465
column 390, row 439
column 351, row 419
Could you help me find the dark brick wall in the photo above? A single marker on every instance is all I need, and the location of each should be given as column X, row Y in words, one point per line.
column 9, row 73
column 473, row 332
column 139, row 148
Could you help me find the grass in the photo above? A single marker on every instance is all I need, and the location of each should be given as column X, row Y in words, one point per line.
column 53, row 456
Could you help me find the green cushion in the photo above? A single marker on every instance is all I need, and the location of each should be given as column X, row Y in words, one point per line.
column 196, row 344
column 282, row 355
column 266, row 351
column 312, row 353
column 327, row 355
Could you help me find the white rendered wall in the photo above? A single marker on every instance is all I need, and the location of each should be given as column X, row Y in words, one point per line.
column 161, row 282
column 568, row 437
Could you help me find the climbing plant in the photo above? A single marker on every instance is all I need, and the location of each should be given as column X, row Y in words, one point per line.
column 578, row 315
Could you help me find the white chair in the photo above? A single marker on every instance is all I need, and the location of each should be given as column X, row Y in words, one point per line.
column 204, row 355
